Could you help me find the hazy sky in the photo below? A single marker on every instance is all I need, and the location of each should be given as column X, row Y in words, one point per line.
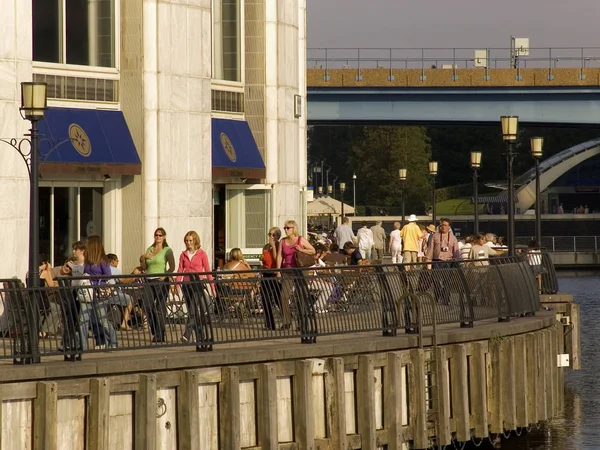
column 452, row 23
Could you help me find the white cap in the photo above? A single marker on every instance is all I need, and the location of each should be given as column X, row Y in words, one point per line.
column 412, row 218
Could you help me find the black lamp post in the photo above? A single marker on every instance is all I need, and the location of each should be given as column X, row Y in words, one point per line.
column 33, row 106
column 433, row 171
column 342, row 189
column 402, row 174
column 475, row 165
column 510, row 127
column 537, row 144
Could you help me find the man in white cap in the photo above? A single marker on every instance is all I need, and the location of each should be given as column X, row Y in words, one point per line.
column 411, row 233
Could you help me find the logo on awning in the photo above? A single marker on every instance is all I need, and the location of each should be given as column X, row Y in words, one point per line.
column 80, row 140
column 228, row 147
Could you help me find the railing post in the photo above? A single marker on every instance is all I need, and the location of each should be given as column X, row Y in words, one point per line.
column 358, row 76
column 326, row 67
column 574, row 244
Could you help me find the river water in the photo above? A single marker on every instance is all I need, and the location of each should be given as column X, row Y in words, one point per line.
column 578, row 427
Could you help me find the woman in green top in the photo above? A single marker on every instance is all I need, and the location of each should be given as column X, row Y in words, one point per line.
column 155, row 261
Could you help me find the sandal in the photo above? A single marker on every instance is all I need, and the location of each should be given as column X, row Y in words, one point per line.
column 42, row 334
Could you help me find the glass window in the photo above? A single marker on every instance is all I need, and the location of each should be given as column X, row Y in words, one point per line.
column 227, row 40
column 74, row 32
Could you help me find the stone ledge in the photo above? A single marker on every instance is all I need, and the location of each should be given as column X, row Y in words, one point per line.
column 159, row 360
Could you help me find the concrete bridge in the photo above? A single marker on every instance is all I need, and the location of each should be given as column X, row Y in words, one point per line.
column 370, row 86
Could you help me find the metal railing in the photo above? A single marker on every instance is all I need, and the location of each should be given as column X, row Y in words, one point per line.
column 557, row 244
column 426, row 58
column 86, row 314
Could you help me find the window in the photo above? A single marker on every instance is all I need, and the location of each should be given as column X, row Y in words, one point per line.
column 78, row 32
column 67, row 214
column 248, row 214
column 227, row 40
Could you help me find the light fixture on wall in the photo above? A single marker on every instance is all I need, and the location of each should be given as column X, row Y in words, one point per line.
column 107, row 177
column 297, row 106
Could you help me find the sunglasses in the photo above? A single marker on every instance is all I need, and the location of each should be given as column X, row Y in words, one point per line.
column 158, row 235
column 287, row 228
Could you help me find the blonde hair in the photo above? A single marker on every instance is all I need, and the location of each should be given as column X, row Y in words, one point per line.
column 397, row 225
column 292, row 224
column 194, row 236
column 236, row 254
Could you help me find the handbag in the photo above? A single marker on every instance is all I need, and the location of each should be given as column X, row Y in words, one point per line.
column 303, row 259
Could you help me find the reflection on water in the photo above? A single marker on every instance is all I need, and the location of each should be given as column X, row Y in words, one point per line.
column 577, row 427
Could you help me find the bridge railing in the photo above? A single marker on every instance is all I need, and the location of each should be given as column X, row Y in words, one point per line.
column 426, row 58
column 85, row 314
column 574, row 244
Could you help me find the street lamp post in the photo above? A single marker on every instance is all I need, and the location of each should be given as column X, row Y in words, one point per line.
column 510, row 126
column 537, row 144
column 475, row 165
column 433, row 171
column 33, row 106
column 342, row 189
column 354, row 191
column 402, row 174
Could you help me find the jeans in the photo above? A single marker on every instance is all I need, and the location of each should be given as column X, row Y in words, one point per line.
column 95, row 314
column 197, row 303
column 155, row 306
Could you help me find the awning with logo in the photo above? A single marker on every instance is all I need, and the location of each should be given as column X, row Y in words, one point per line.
column 87, row 141
column 234, row 150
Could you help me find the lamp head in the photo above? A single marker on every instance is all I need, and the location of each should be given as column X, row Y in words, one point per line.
column 33, row 100
column 510, row 127
column 342, row 186
column 329, row 189
column 433, row 168
column 320, row 190
column 402, row 174
column 475, row 160
column 354, row 176
column 537, row 145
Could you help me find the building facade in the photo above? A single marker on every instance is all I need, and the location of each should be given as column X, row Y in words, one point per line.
column 183, row 114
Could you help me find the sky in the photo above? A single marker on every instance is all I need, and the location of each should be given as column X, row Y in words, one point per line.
column 452, row 23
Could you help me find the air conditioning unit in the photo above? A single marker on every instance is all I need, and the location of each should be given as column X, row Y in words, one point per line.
column 521, row 46
column 449, row 66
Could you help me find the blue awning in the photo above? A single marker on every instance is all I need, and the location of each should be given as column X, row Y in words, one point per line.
column 234, row 150
column 87, row 141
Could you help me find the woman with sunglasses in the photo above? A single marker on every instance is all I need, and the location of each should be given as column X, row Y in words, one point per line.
column 270, row 286
column 158, row 261
column 286, row 259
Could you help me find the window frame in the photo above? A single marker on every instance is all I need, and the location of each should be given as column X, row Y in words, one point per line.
column 218, row 83
column 71, row 69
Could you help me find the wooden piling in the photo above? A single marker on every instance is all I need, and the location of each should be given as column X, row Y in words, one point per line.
column 394, row 400
column 550, row 372
column 541, row 387
column 479, row 403
column 145, row 413
column 229, row 406
column 45, row 408
column 507, row 367
column 98, row 414
column 304, row 424
column 460, row 393
column 188, row 404
column 495, row 387
column 521, row 385
column 267, row 419
column 442, row 394
column 335, row 402
column 366, row 402
column 531, row 391
column 417, row 398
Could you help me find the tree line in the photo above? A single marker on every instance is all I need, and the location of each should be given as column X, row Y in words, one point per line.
column 376, row 153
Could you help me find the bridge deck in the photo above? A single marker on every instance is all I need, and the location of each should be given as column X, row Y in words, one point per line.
column 473, row 77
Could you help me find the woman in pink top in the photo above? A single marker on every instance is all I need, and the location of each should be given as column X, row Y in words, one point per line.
column 194, row 259
column 291, row 244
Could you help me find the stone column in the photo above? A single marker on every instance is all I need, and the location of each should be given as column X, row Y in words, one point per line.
column 15, row 67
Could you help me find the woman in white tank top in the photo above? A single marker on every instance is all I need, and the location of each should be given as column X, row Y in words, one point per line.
column 396, row 244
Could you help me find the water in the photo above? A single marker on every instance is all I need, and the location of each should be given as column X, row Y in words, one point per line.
column 578, row 425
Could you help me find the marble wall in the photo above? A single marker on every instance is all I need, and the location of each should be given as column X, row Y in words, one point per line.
column 285, row 149
column 15, row 67
column 177, row 113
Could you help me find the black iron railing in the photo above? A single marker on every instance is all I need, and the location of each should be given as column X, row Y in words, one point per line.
column 91, row 314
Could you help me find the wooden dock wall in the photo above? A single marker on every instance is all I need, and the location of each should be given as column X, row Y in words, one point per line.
column 352, row 402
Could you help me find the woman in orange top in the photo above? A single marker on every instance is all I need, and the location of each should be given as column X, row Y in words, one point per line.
column 270, row 287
